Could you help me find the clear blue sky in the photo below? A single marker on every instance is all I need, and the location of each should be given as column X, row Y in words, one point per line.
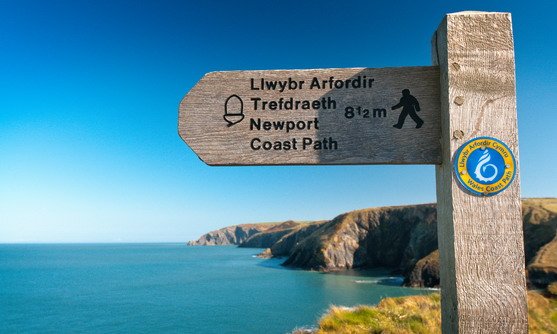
column 89, row 149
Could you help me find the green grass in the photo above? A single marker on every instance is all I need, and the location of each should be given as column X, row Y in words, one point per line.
column 421, row 314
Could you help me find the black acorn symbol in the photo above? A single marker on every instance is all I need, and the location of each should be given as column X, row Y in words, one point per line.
column 233, row 110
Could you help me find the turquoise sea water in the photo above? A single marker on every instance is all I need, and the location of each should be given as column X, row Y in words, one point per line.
column 168, row 288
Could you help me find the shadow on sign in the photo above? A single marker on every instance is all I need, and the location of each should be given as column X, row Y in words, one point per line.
column 387, row 123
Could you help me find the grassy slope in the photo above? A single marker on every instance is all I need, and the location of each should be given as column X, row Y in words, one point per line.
column 546, row 203
column 421, row 314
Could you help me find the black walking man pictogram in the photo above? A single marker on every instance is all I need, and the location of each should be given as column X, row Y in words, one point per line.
column 409, row 106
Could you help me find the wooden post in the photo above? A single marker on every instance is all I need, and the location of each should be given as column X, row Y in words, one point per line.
column 483, row 288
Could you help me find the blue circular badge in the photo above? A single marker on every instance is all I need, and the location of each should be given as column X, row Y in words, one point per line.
column 485, row 166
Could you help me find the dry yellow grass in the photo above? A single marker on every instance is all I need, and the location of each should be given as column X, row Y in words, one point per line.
column 545, row 203
column 421, row 314
column 404, row 315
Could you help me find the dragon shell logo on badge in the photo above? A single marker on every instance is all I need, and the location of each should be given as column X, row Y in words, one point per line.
column 485, row 166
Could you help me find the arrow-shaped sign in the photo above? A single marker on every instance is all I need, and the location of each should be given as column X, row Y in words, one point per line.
column 325, row 116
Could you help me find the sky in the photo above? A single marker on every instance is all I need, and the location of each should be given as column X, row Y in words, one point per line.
column 89, row 149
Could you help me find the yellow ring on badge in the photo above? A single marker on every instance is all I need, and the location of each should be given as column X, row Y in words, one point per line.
column 464, row 175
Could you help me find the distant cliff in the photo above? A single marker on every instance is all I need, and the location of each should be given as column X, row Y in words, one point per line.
column 402, row 238
column 231, row 235
column 269, row 237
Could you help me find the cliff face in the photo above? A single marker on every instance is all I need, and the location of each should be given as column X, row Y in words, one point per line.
column 394, row 237
column 540, row 224
column 231, row 235
column 285, row 245
column 540, row 227
column 269, row 237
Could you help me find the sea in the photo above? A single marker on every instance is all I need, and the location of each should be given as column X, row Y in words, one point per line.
column 170, row 288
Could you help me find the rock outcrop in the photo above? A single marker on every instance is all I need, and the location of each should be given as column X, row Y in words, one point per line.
column 425, row 273
column 266, row 254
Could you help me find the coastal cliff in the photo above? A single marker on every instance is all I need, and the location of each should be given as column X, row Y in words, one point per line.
column 231, row 235
column 392, row 237
column 269, row 237
column 540, row 227
column 401, row 238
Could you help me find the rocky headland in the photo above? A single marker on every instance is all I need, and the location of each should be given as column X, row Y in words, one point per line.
column 231, row 235
column 401, row 238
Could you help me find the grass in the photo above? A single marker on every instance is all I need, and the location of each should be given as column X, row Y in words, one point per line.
column 421, row 314
column 416, row 314
column 542, row 313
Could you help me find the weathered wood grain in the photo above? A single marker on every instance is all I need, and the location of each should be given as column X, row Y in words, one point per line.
column 360, row 140
column 480, row 238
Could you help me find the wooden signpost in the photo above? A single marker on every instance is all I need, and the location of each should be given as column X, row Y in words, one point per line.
column 459, row 115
